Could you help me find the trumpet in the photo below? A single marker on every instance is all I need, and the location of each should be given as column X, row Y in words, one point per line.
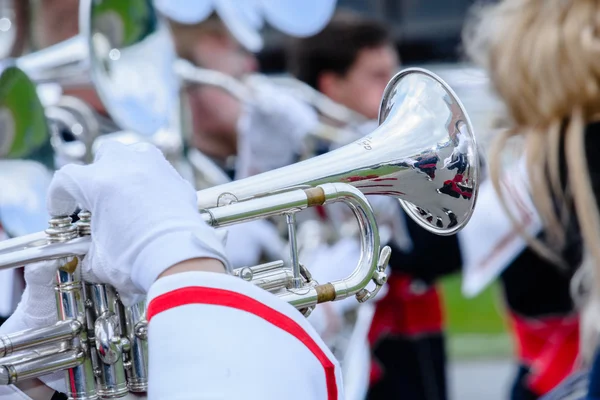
column 101, row 344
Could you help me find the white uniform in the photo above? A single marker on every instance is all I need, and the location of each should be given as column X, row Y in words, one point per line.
column 197, row 316
column 202, row 316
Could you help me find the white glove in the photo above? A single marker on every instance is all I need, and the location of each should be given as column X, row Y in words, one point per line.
column 37, row 309
column 144, row 217
column 271, row 130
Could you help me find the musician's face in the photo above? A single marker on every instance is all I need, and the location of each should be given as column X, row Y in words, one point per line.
column 362, row 86
column 215, row 112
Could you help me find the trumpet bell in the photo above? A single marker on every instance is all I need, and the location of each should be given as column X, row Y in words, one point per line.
column 423, row 153
column 430, row 123
column 125, row 53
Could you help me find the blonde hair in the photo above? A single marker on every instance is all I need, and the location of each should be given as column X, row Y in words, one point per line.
column 543, row 60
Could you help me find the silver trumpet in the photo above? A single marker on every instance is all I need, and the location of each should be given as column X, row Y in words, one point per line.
column 423, row 153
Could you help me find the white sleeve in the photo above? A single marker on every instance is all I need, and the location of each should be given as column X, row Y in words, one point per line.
column 10, row 392
column 216, row 336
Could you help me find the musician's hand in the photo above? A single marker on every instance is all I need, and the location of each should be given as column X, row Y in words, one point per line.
column 272, row 130
column 144, row 217
column 37, row 309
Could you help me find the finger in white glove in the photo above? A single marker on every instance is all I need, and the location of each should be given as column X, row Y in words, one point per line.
column 144, row 217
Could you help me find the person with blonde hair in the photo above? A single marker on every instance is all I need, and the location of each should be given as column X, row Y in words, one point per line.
column 542, row 60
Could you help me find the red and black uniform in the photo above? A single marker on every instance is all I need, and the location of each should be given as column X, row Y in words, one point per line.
column 543, row 322
column 407, row 332
column 543, row 316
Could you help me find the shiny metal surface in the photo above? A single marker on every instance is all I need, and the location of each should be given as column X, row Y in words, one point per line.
column 70, row 304
column 73, row 126
column 130, row 73
column 424, row 153
column 106, row 330
column 23, row 340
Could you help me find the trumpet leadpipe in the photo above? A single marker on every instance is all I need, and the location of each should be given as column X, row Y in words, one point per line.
column 35, row 352
column 39, row 248
column 27, row 339
column 35, row 367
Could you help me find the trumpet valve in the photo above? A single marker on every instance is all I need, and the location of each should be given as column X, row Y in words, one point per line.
column 61, row 229
column 84, row 223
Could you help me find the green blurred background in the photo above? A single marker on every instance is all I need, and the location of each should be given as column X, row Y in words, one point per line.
column 476, row 327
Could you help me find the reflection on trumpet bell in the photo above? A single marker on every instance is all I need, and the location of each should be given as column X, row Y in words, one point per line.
column 423, row 153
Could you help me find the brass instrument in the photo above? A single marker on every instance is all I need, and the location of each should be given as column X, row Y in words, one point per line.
column 101, row 345
column 131, row 75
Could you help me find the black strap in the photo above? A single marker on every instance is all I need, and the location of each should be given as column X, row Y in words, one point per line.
column 59, row 396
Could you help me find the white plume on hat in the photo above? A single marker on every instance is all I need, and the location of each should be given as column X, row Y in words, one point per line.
column 246, row 18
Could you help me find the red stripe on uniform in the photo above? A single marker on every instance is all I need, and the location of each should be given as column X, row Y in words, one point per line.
column 226, row 298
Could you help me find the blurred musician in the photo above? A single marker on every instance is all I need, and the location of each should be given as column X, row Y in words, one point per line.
column 551, row 96
column 242, row 138
column 351, row 61
column 213, row 112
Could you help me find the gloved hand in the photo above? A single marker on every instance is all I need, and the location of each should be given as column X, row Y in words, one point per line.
column 144, row 217
column 37, row 309
column 271, row 130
